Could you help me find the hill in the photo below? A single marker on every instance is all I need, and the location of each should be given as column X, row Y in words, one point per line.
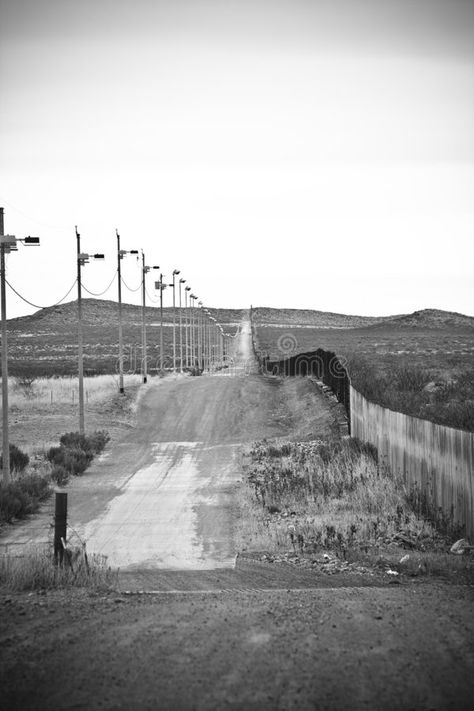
column 45, row 343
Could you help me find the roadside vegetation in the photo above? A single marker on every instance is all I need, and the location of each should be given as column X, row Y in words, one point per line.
column 37, row 570
column 31, row 485
column 29, row 391
column 302, row 501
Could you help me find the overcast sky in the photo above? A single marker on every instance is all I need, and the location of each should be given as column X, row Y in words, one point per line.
column 288, row 153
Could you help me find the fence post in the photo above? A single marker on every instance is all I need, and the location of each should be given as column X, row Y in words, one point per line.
column 60, row 526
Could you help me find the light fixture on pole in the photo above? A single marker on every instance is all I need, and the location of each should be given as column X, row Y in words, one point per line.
column 8, row 243
column 175, row 272
column 159, row 285
column 82, row 259
column 181, row 281
column 120, row 255
column 145, row 271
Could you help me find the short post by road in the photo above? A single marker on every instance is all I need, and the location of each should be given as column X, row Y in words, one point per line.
column 60, row 527
column 82, row 258
column 120, row 255
column 8, row 243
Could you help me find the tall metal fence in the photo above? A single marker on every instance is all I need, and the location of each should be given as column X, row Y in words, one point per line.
column 437, row 460
column 320, row 364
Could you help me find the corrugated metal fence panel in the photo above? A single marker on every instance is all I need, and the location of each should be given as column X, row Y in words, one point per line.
column 439, row 460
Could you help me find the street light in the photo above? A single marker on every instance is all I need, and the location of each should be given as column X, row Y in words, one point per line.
column 200, row 323
column 8, row 243
column 186, row 320
column 193, row 334
column 161, row 286
column 120, row 255
column 82, row 258
column 175, row 273
column 145, row 271
column 181, row 281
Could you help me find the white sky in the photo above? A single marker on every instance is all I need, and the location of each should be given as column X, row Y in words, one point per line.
column 288, row 153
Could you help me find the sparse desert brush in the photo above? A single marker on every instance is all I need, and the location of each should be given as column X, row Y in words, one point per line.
column 19, row 460
column 325, row 495
column 64, row 390
column 74, row 454
column 22, row 496
column 37, row 570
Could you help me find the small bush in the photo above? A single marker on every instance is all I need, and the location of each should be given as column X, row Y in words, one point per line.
column 75, row 453
column 93, row 443
column 60, row 475
column 18, row 459
column 76, row 461
column 22, row 497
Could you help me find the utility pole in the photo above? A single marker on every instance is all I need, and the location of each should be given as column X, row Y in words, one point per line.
column 145, row 271
column 144, row 373
column 181, row 281
column 6, row 445
column 8, row 243
column 175, row 272
column 120, row 255
column 186, row 320
column 82, row 259
column 199, row 331
column 159, row 285
column 193, row 332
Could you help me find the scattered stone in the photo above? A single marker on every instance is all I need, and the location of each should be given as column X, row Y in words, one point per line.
column 461, row 547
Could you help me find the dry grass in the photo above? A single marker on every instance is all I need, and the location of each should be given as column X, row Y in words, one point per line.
column 36, row 570
column 315, row 497
column 37, row 392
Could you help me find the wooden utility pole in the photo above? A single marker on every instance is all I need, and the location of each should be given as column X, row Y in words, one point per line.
column 80, row 335
column 6, row 444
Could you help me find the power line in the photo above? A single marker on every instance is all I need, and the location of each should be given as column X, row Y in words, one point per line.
column 155, row 301
column 101, row 293
column 36, row 305
column 127, row 287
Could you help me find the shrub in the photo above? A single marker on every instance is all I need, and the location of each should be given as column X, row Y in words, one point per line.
column 60, row 475
column 22, row 497
column 76, row 461
column 18, row 459
column 94, row 443
column 74, row 454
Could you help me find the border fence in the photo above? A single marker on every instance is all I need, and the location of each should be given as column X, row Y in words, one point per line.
column 435, row 461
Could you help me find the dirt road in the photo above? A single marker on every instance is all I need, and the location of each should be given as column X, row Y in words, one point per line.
column 255, row 636
column 162, row 497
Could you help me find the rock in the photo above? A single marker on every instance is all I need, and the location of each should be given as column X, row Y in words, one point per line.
column 405, row 559
column 461, row 547
column 392, row 572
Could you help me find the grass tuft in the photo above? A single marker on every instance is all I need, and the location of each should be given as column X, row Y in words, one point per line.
column 38, row 571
